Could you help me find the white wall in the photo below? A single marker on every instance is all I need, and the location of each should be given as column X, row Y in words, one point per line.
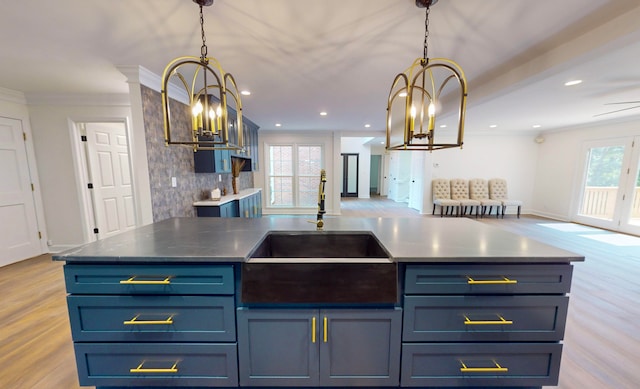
column 559, row 163
column 512, row 157
column 50, row 122
column 356, row 146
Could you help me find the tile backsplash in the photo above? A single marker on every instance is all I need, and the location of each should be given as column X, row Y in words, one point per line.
column 176, row 161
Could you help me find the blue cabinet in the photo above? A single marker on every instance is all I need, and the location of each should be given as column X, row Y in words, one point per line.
column 491, row 325
column 153, row 325
column 250, row 206
column 309, row 347
column 229, row 209
column 212, row 161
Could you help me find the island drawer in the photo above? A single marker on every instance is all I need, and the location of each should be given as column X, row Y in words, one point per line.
column 157, row 364
column 149, row 279
column 488, row 279
column 480, row 364
column 484, row 318
column 154, row 318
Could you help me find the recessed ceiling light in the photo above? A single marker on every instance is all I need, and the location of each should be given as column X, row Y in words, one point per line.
column 443, row 126
column 402, row 94
column 493, row 126
column 381, row 143
column 367, row 125
column 245, row 93
column 573, row 82
column 323, row 113
column 278, row 125
column 537, row 125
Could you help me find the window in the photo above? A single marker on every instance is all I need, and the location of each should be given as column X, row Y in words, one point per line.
column 294, row 175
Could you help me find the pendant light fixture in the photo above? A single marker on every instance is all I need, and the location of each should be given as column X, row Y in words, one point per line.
column 430, row 87
column 211, row 92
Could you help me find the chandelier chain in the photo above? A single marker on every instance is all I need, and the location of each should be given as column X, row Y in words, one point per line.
column 203, row 49
column 425, row 57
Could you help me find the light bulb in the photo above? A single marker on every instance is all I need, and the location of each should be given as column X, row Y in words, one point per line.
column 197, row 109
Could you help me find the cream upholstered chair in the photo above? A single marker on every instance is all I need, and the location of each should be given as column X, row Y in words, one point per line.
column 479, row 190
column 460, row 192
column 498, row 191
column 441, row 194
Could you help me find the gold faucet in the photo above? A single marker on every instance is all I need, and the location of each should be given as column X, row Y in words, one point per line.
column 321, row 195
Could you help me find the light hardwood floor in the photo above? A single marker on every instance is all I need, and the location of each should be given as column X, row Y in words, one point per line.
column 601, row 346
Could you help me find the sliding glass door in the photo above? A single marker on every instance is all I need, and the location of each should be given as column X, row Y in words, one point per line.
column 610, row 191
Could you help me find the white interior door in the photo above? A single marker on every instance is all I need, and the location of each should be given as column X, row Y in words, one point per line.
column 415, row 184
column 110, row 176
column 19, row 237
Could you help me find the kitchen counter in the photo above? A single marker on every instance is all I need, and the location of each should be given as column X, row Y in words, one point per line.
column 179, row 303
column 226, row 199
column 233, row 239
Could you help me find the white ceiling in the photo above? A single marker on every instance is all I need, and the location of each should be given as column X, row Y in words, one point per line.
column 299, row 57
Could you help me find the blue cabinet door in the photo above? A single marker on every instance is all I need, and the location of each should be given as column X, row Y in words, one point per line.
column 278, row 347
column 303, row 347
column 212, row 161
column 360, row 347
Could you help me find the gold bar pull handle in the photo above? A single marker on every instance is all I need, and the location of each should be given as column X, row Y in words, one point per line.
column 325, row 333
column 313, row 330
column 496, row 369
column 501, row 321
column 503, row 281
column 133, row 281
column 142, row 370
column 135, row 321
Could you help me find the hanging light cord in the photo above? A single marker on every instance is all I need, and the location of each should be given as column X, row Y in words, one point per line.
column 425, row 57
column 203, row 49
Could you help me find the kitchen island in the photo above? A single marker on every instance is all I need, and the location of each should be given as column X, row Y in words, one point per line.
column 464, row 305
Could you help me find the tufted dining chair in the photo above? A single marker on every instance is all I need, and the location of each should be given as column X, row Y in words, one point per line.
column 460, row 192
column 441, row 194
column 479, row 190
column 498, row 191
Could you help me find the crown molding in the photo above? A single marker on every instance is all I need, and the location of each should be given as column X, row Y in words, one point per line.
column 143, row 76
column 113, row 99
column 12, row 96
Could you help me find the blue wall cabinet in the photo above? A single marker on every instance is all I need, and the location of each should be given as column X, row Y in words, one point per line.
column 212, row 161
column 305, row 347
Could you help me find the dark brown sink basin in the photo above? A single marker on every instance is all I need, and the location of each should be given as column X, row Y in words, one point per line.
column 320, row 267
column 319, row 245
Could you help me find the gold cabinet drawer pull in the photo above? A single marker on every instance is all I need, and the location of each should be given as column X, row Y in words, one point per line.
column 133, row 281
column 313, row 330
column 140, row 369
column 135, row 321
column 501, row 320
column 496, row 369
column 504, row 280
column 325, row 330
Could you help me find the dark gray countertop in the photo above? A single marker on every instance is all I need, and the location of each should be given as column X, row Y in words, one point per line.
column 233, row 239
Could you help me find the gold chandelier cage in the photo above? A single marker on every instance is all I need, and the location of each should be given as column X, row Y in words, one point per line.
column 419, row 95
column 212, row 94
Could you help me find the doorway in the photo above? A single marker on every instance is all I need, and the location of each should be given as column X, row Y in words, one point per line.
column 375, row 175
column 350, row 170
column 104, row 163
column 610, row 189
